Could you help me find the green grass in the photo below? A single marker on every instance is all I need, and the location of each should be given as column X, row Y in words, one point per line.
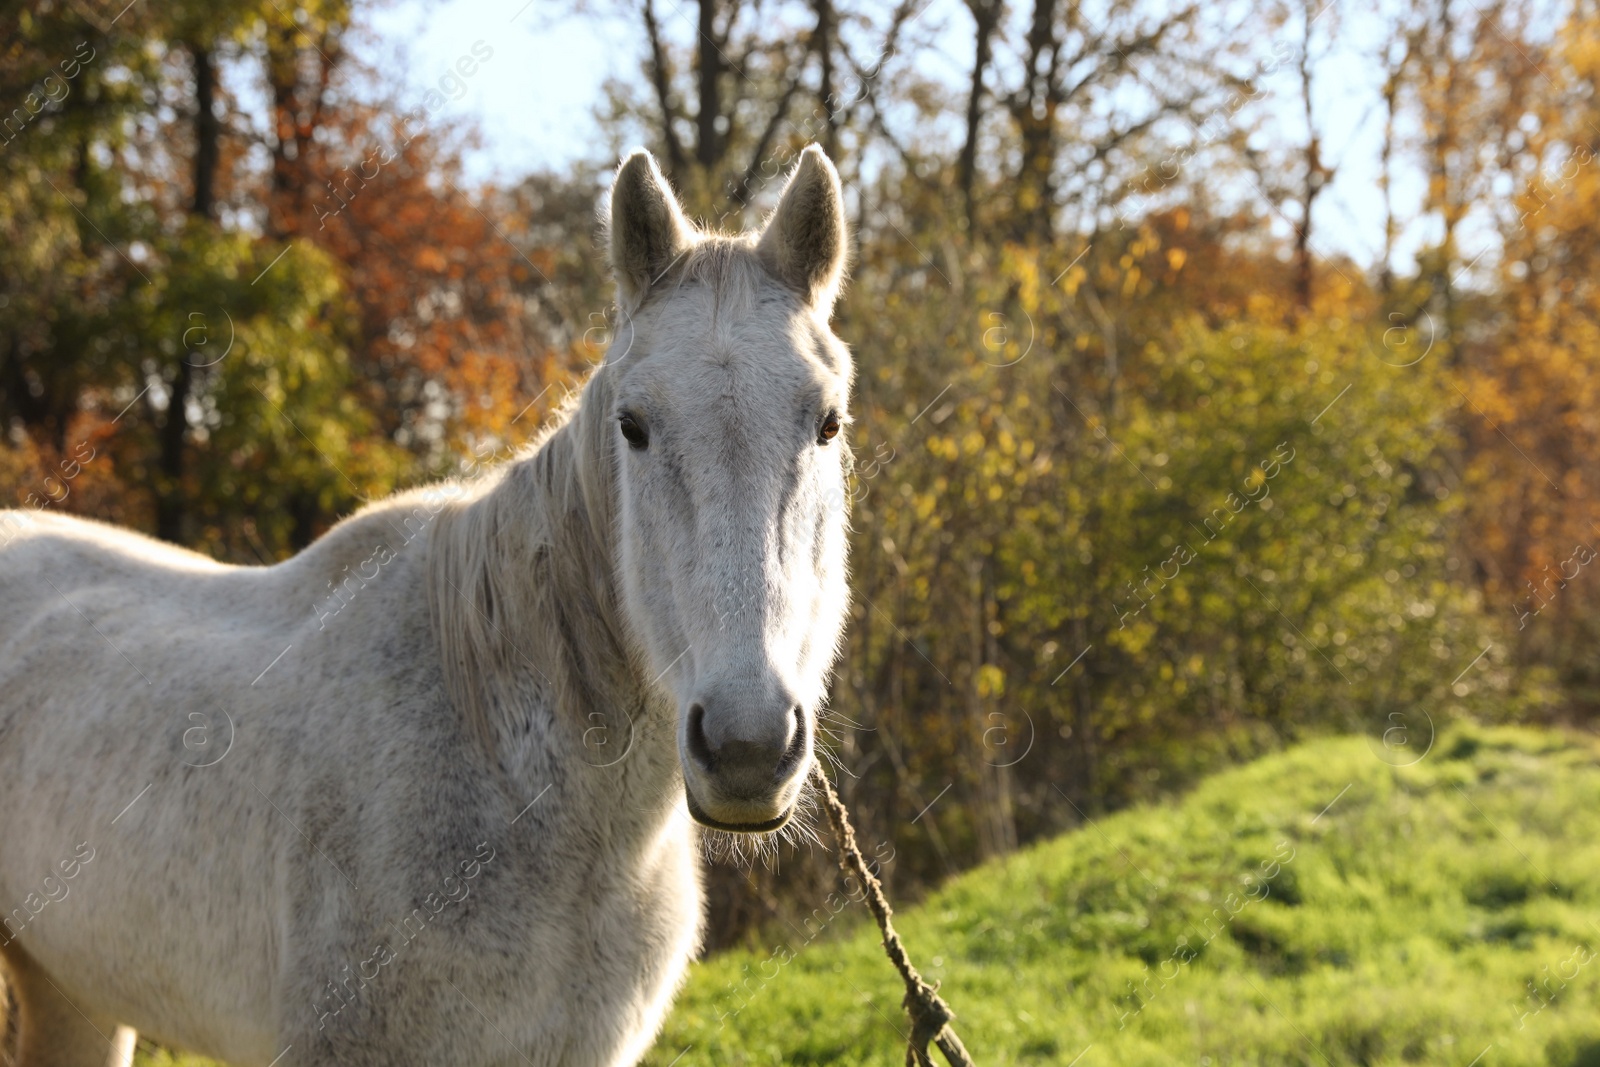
column 1405, row 929
column 1418, row 904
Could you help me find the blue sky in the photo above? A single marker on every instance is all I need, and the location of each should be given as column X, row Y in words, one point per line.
column 534, row 100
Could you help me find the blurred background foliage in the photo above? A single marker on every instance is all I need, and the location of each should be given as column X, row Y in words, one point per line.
column 1145, row 485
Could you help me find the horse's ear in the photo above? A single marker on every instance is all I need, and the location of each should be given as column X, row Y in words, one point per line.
column 804, row 243
column 647, row 226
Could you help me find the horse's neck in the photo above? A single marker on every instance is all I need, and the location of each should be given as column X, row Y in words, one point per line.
column 523, row 593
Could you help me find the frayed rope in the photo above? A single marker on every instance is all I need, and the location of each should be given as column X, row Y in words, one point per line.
column 930, row 1015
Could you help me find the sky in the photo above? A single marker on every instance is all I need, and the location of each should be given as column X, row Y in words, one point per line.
column 534, row 100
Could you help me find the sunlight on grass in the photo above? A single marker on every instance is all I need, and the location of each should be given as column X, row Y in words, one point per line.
column 1235, row 926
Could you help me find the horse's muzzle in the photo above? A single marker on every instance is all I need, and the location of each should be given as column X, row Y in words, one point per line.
column 745, row 777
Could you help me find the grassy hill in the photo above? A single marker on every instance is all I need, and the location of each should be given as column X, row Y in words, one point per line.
column 1316, row 907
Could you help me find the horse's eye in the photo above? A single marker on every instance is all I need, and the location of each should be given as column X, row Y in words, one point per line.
column 829, row 429
column 635, row 434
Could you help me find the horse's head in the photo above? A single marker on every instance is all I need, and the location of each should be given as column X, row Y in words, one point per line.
column 730, row 395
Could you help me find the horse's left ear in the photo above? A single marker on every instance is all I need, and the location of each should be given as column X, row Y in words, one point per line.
column 805, row 241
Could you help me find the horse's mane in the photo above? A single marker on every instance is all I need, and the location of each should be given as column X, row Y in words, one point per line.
column 521, row 582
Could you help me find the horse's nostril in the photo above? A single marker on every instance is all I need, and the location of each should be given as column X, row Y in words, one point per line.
column 699, row 748
column 797, row 743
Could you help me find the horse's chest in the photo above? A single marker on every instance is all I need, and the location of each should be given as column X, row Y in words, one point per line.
column 599, row 952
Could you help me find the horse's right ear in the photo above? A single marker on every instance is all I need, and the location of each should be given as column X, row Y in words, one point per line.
column 649, row 231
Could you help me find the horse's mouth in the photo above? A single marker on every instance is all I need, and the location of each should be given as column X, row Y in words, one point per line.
column 736, row 827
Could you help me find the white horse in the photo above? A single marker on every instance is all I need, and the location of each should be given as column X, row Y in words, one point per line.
column 422, row 793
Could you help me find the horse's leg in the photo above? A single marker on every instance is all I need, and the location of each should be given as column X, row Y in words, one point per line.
column 52, row 1030
column 123, row 1043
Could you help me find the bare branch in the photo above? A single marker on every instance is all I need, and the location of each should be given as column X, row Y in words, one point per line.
column 661, row 78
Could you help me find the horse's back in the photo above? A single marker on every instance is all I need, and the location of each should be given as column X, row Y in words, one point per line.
column 45, row 559
column 110, row 642
column 87, row 607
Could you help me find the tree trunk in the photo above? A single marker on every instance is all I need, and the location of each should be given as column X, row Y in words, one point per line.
column 986, row 16
column 1035, row 113
column 1083, row 723
column 661, row 79
column 303, row 509
column 1314, row 177
column 207, row 133
column 1005, row 804
column 823, row 42
column 1444, row 144
column 1391, row 90
column 171, row 507
column 708, row 143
